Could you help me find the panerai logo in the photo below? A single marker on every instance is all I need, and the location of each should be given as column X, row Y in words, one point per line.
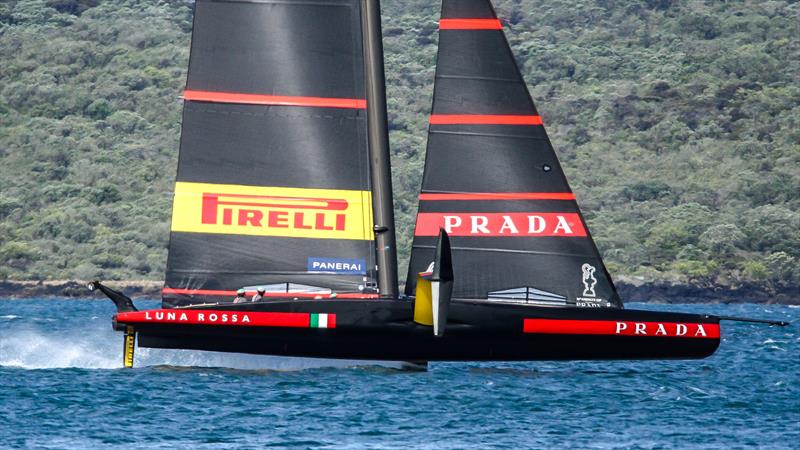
column 589, row 298
column 337, row 266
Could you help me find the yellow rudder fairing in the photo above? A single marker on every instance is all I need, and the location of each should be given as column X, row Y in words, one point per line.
column 129, row 346
column 423, row 303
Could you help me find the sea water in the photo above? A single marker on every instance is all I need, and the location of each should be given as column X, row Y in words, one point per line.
column 61, row 386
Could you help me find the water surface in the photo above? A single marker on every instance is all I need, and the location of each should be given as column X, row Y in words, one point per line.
column 61, row 386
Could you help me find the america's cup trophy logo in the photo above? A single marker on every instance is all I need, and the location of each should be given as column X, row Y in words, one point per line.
column 589, row 281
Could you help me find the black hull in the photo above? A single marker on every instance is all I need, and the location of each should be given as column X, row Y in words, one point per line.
column 384, row 330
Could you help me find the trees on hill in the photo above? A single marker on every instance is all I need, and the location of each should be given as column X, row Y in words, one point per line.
column 677, row 124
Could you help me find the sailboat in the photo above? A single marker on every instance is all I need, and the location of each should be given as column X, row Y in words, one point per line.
column 283, row 194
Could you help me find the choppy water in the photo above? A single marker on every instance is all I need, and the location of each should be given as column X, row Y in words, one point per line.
column 61, row 387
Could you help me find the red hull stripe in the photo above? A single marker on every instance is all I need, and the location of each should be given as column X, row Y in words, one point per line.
column 621, row 328
column 501, row 196
column 267, row 294
column 227, row 318
column 484, row 119
column 274, row 100
column 470, row 24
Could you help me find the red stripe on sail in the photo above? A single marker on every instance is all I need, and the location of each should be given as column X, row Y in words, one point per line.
column 484, row 119
column 500, row 196
column 273, row 100
column 221, row 318
column 470, row 24
column 510, row 224
column 621, row 328
column 267, row 294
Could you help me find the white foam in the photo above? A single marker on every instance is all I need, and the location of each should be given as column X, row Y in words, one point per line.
column 31, row 349
column 100, row 348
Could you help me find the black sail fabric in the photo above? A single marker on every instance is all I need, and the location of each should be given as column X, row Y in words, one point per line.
column 494, row 183
column 273, row 186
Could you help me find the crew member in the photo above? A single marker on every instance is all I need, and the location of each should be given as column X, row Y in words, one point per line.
column 259, row 295
column 240, row 298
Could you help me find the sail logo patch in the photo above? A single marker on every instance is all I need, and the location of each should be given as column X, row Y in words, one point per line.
column 337, row 266
column 272, row 211
column 531, row 224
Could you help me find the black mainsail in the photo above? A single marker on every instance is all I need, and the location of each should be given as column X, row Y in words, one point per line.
column 494, row 183
column 273, row 187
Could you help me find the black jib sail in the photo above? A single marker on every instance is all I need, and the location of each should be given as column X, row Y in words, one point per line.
column 494, row 183
column 273, row 185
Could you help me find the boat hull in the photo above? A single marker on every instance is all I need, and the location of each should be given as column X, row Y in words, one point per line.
column 384, row 330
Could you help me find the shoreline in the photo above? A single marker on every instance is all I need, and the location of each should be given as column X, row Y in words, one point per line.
column 18, row 289
column 629, row 290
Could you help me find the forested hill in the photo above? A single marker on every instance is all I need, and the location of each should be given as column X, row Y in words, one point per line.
column 677, row 123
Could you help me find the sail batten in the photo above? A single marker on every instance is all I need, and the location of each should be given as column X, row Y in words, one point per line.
column 485, row 119
column 492, row 180
column 449, row 196
column 470, row 24
column 274, row 100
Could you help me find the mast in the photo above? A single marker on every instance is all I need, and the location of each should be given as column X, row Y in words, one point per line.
column 378, row 137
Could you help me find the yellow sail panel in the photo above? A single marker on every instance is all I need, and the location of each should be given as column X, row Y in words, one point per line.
column 272, row 211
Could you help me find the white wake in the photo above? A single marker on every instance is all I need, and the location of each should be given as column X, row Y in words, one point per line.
column 95, row 348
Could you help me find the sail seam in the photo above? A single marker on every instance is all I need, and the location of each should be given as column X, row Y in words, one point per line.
column 503, row 250
column 284, row 2
column 356, row 117
column 467, row 77
column 472, row 133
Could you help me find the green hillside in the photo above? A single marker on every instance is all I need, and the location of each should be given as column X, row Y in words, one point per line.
column 678, row 124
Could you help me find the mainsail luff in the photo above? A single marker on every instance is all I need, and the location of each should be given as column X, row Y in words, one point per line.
column 273, row 175
column 378, row 137
column 493, row 181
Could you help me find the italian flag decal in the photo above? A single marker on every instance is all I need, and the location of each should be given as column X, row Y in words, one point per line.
column 323, row 321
